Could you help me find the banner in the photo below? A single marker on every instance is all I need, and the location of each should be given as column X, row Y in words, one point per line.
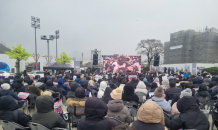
column 58, row 106
column 176, row 47
column 77, row 66
column 121, row 63
column 131, row 77
column 187, row 68
column 23, row 95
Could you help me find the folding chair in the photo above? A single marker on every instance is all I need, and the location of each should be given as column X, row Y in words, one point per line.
column 35, row 126
column 214, row 118
column 7, row 125
column 203, row 101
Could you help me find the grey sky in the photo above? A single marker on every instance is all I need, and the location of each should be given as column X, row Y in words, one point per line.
column 112, row 26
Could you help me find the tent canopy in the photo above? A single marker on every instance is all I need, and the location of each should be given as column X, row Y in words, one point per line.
column 56, row 66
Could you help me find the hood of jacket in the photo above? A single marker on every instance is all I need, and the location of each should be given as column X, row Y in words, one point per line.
column 206, row 81
column 95, row 108
column 60, row 81
column 115, row 105
column 103, row 86
column 38, row 84
column 198, row 80
column 187, row 103
column 18, row 86
column 49, row 83
column 78, row 80
column 107, row 93
column 150, row 112
column 8, row 103
column 141, row 85
column 76, row 102
column 203, row 93
column 44, row 104
column 74, row 86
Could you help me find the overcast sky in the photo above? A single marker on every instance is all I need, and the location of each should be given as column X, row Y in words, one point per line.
column 112, row 26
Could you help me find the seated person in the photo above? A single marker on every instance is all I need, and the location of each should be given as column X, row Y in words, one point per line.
column 45, row 114
column 95, row 111
column 32, row 89
column 19, row 85
column 62, row 86
column 79, row 101
column 9, row 111
column 202, row 91
column 190, row 116
column 73, row 87
column 173, row 90
column 159, row 99
column 116, row 108
column 7, row 92
column 40, row 84
column 129, row 94
column 150, row 116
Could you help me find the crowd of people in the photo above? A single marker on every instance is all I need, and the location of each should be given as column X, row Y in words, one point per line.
column 163, row 101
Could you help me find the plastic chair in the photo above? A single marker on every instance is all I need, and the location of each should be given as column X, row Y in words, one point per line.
column 7, row 125
column 35, row 126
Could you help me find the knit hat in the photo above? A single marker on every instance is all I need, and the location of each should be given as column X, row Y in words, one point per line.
column 116, row 93
column 47, row 93
column 159, row 92
column 186, row 92
column 5, row 86
column 80, row 92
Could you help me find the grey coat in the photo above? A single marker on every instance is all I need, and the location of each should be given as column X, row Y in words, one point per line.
column 116, row 109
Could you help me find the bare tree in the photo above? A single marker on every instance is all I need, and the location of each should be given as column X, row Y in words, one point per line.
column 150, row 48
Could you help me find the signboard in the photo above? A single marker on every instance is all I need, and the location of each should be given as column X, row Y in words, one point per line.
column 23, row 95
column 131, row 77
column 176, row 47
column 77, row 66
column 58, row 106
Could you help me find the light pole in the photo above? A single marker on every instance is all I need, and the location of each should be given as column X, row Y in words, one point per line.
column 51, row 37
column 56, row 37
column 35, row 24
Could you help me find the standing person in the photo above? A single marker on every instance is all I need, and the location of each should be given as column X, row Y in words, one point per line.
column 168, row 70
column 172, row 71
column 165, row 69
column 46, row 73
column 24, row 73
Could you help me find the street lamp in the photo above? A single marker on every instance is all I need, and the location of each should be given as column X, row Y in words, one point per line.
column 51, row 37
column 57, row 37
column 35, row 24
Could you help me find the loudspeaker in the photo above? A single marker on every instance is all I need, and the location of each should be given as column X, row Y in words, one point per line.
column 95, row 59
column 156, row 60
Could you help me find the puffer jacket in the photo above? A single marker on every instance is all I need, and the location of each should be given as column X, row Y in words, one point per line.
column 103, row 86
column 9, row 111
column 116, row 109
column 10, row 93
column 45, row 114
column 162, row 103
column 206, row 81
column 95, row 112
column 73, row 87
column 202, row 94
column 19, row 87
column 141, row 88
column 79, row 103
column 41, row 85
column 63, row 86
column 129, row 94
column 197, row 82
column 149, row 117
column 190, row 118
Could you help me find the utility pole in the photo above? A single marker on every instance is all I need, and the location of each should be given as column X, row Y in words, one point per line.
column 51, row 37
column 57, row 37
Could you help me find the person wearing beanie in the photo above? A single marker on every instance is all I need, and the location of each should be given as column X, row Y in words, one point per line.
column 159, row 99
column 7, row 92
column 190, row 116
column 106, row 97
column 47, row 93
column 129, row 94
column 78, row 102
column 73, row 87
column 116, row 108
column 33, row 90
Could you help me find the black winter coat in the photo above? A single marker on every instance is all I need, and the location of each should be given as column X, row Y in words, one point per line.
column 106, row 97
column 197, row 82
column 171, row 92
column 190, row 116
column 138, row 125
column 202, row 94
column 19, row 87
column 10, row 93
column 9, row 111
column 129, row 94
column 95, row 111
column 45, row 114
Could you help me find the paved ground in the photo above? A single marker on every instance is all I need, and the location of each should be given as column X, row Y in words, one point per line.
column 64, row 108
